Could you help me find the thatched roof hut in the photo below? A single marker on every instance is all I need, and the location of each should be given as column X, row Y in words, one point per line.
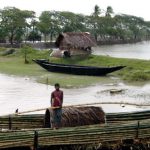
column 75, row 41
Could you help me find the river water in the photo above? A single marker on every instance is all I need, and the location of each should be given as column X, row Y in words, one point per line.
column 139, row 50
column 26, row 94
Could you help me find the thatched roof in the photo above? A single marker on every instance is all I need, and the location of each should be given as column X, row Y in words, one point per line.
column 75, row 39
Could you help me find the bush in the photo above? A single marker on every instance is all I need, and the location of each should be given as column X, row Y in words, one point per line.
column 2, row 50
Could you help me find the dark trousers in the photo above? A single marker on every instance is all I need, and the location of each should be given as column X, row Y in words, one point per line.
column 56, row 117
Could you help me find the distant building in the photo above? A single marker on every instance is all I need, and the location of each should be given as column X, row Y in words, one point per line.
column 75, row 43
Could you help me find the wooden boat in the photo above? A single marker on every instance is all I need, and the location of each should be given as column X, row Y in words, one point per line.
column 76, row 69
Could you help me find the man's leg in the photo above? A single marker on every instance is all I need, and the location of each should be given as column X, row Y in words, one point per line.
column 54, row 119
column 59, row 114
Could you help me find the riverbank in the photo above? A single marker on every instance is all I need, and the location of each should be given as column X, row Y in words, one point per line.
column 47, row 45
column 135, row 71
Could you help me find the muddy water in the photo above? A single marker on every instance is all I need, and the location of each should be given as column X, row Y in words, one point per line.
column 139, row 50
column 26, row 94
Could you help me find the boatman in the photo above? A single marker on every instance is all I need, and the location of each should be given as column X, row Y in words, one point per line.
column 56, row 104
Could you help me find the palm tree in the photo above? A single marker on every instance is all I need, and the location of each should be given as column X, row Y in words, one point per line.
column 95, row 20
column 97, row 11
column 109, row 11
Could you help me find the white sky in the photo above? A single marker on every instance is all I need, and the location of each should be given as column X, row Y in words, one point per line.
column 140, row 8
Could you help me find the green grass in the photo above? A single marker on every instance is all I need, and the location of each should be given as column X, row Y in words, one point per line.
column 136, row 70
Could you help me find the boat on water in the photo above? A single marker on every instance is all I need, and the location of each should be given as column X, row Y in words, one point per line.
column 76, row 69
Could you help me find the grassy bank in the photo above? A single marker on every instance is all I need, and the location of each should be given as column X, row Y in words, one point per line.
column 136, row 70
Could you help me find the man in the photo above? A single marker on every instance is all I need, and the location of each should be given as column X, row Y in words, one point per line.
column 56, row 104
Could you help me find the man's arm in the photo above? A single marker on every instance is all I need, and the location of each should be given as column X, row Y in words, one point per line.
column 62, row 98
column 51, row 99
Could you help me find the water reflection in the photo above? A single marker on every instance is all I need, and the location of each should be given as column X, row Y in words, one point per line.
column 139, row 50
column 26, row 94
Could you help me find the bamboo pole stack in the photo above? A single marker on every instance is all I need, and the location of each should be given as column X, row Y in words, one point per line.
column 22, row 121
column 127, row 116
column 93, row 134
column 16, row 139
column 38, row 120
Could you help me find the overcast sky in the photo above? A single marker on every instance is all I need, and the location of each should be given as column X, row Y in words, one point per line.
column 140, row 8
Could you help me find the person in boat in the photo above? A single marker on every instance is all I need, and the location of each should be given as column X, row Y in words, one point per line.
column 56, row 104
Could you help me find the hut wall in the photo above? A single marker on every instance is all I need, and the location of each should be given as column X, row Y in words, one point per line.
column 76, row 51
column 63, row 45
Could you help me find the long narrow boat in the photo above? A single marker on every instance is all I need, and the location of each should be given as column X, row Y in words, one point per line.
column 76, row 69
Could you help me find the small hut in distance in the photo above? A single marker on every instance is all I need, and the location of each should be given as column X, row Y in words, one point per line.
column 75, row 43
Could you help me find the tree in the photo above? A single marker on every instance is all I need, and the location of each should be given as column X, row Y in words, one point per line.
column 44, row 24
column 106, row 28
column 95, row 19
column 72, row 22
column 97, row 11
column 49, row 24
column 2, row 35
column 14, row 22
column 34, row 36
column 109, row 11
column 17, row 24
column 131, row 24
column 26, row 50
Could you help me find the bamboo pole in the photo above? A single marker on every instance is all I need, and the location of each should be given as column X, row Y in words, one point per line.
column 79, row 105
column 77, row 135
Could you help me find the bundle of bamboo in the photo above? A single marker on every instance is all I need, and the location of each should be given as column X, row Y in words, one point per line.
column 22, row 121
column 16, row 139
column 128, row 116
column 78, row 116
column 93, row 134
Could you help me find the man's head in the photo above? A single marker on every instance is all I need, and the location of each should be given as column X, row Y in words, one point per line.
column 57, row 86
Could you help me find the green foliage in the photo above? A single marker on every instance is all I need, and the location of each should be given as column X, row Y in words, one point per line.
column 27, row 49
column 72, row 22
column 17, row 25
column 44, row 23
column 49, row 24
column 3, row 35
column 28, row 53
column 139, row 76
column 109, row 11
column 13, row 22
column 2, row 49
column 97, row 11
column 34, row 36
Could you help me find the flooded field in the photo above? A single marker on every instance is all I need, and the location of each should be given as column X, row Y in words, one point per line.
column 139, row 50
column 26, row 94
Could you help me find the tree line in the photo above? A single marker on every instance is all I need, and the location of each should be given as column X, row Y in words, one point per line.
column 22, row 25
